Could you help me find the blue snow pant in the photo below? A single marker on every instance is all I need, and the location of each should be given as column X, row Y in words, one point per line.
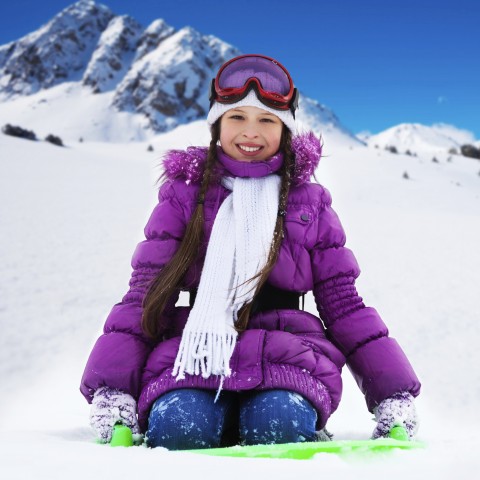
column 189, row 418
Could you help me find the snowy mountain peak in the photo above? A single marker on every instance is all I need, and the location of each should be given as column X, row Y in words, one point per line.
column 417, row 137
column 57, row 52
column 113, row 55
column 319, row 118
column 157, row 31
column 169, row 85
column 158, row 27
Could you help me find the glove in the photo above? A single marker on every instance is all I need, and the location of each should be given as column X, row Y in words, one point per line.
column 397, row 410
column 109, row 407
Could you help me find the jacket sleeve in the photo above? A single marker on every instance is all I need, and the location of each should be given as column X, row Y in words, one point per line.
column 118, row 356
column 376, row 360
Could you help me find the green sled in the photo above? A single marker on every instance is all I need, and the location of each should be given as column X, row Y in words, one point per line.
column 122, row 436
column 307, row 450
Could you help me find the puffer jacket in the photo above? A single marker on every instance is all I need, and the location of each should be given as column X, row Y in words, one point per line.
column 281, row 348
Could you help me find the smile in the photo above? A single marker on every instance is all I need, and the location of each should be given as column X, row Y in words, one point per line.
column 249, row 149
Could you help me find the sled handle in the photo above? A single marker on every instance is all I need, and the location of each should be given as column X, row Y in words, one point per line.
column 121, row 436
column 399, row 433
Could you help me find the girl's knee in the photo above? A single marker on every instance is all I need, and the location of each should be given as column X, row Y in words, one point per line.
column 276, row 416
column 185, row 419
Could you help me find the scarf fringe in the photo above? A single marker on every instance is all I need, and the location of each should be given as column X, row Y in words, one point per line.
column 204, row 354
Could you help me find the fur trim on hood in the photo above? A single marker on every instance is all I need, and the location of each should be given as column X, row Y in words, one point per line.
column 189, row 164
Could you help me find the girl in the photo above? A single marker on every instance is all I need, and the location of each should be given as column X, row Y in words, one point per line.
column 240, row 226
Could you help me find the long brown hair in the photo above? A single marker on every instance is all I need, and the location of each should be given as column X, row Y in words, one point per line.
column 169, row 279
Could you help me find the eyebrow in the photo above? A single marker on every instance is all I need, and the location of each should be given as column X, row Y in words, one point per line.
column 238, row 109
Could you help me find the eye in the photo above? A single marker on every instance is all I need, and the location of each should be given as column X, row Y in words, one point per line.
column 267, row 120
column 236, row 117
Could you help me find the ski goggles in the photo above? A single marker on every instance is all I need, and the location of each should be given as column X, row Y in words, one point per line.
column 269, row 78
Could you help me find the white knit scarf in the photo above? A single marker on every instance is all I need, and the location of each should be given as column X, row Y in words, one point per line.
column 238, row 249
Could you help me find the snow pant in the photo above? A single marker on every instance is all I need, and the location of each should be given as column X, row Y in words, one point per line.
column 190, row 418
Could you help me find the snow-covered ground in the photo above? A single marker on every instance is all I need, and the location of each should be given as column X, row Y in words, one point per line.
column 416, row 137
column 94, row 120
column 69, row 221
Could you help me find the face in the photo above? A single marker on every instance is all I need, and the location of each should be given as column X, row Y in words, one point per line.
column 250, row 134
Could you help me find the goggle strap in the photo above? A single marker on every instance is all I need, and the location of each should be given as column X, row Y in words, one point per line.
column 294, row 104
column 212, row 93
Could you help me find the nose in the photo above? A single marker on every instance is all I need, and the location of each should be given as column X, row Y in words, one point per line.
column 250, row 131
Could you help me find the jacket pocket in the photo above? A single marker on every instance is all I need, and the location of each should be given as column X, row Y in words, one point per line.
column 301, row 214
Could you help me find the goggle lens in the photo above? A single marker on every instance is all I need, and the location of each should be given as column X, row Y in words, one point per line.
column 271, row 76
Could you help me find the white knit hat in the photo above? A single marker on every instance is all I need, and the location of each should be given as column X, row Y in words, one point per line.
column 251, row 100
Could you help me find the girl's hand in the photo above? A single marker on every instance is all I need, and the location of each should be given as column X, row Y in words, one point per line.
column 109, row 407
column 397, row 410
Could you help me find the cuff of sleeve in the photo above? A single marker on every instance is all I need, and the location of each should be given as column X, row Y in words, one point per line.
column 381, row 369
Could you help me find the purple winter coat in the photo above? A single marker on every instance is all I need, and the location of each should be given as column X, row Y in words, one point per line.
column 286, row 349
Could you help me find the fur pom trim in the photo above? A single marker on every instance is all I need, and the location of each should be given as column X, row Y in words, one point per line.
column 308, row 151
column 185, row 164
column 189, row 164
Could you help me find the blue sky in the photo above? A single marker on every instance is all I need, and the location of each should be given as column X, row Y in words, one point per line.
column 374, row 63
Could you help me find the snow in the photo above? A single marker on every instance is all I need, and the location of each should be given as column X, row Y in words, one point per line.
column 57, row 52
column 312, row 115
column 167, row 85
column 157, row 31
column 114, row 53
column 94, row 119
column 458, row 135
column 71, row 218
column 421, row 138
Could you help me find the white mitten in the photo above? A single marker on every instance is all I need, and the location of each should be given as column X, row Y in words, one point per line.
column 397, row 410
column 109, row 407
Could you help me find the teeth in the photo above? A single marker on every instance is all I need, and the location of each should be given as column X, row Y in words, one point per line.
column 250, row 149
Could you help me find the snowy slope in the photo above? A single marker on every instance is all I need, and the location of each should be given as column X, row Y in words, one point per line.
column 421, row 138
column 93, row 117
column 312, row 115
column 71, row 218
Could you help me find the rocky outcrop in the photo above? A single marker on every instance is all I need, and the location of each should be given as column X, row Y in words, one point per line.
column 170, row 84
column 113, row 55
column 57, row 52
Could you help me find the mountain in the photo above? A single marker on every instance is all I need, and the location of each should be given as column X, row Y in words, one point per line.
column 182, row 66
column 113, row 55
column 157, row 31
column 118, row 80
column 415, row 137
column 57, row 52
